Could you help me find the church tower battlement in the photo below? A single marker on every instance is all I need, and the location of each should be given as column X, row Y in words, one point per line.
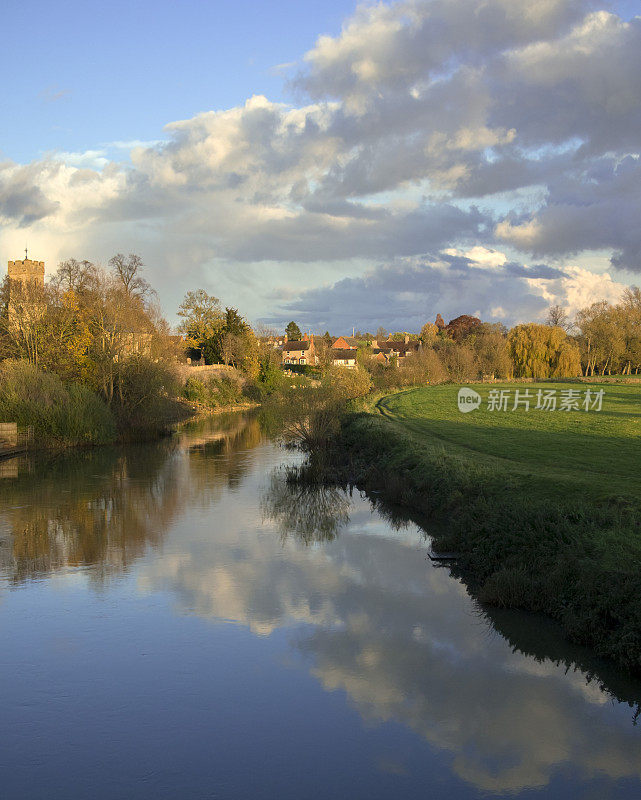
column 27, row 271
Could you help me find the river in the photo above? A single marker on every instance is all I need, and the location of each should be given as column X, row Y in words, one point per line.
column 176, row 621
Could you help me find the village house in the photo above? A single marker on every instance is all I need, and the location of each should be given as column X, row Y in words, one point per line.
column 390, row 349
column 301, row 351
column 343, row 353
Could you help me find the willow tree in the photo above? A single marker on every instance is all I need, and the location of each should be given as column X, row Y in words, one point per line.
column 543, row 351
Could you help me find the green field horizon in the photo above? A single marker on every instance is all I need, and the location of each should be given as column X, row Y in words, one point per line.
column 595, row 453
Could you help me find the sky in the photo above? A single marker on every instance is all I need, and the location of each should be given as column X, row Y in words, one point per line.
column 338, row 163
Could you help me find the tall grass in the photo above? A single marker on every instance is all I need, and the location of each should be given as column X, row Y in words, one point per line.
column 59, row 415
column 216, row 392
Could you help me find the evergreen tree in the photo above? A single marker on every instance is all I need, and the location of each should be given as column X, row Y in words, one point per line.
column 293, row 332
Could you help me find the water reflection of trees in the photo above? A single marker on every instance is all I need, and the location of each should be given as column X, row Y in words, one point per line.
column 217, row 448
column 98, row 507
column 532, row 635
column 310, row 512
column 541, row 639
column 313, row 513
column 103, row 507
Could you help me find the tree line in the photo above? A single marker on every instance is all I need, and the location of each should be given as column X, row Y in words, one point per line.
column 102, row 329
column 99, row 328
column 603, row 339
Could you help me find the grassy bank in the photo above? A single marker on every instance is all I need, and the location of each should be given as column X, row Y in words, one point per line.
column 543, row 507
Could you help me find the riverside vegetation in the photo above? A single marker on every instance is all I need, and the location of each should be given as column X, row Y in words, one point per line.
column 88, row 358
column 542, row 508
column 101, row 363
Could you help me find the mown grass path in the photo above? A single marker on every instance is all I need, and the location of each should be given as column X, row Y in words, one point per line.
column 550, row 453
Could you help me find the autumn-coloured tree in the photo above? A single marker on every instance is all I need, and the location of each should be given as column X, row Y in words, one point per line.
column 201, row 317
column 542, row 351
column 489, row 342
column 461, row 327
column 610, row 335
column 428, row 334
column 460, row 361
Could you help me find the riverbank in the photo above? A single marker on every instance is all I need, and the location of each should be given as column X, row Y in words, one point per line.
column 542, row 508
column 60, row 415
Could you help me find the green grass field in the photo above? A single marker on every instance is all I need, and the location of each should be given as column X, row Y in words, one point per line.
column 593, row 453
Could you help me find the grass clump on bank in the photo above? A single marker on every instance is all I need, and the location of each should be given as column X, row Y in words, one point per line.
column 543, row 507
column 216, row 392
column 60, row 415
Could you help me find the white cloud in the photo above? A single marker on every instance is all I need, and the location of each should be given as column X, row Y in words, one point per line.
column 416, row 112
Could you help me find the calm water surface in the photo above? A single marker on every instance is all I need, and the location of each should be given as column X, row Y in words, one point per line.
column 176, row 622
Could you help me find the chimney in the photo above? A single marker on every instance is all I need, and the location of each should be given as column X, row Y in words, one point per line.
column 305, row 337
column 407, row 338
column 285, row 339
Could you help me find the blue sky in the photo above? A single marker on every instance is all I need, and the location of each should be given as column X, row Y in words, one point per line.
column 78, row 75
column 341, row 164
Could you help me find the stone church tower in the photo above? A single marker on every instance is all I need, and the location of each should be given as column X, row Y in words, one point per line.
column 27, row 271
column 24, row 277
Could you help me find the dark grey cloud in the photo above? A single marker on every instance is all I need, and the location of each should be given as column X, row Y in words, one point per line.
column 407, row 293
column 585, row 85
column 536, row 271
column 597, row 207
column 314, row 237
column 22, row 202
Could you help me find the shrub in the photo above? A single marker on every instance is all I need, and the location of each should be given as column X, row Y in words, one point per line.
column 144, row 396
column 347, row 384
column 196, row 392
column 216, row 392
column 58, row 414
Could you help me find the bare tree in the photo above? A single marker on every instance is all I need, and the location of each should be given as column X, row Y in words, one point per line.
column 128, row 271
column 75, row 276
column 557, row 317
column 632, row 298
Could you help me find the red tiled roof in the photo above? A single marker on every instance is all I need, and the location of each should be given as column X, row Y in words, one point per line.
column 342, row 343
